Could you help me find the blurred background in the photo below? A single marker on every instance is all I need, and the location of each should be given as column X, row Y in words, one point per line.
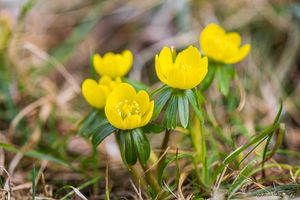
column 45, row 49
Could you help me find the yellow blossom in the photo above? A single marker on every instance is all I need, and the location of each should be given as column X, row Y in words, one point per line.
column 95, row 93
column 127, row 109
column 186, row 71
column 221, row 46
column 113, row 65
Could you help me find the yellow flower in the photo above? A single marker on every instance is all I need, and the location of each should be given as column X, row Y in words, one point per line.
column 113, row 65
column 221, row 46
column 186, row 71
column 126, row 109
column 96, row 93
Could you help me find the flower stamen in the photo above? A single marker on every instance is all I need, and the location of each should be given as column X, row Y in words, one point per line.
column 127, row 108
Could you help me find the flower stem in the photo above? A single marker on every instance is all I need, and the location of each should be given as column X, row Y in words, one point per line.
column 203, row 153
column 164, row 146
column 137, row 176
column 138, row 179
column 150, row 178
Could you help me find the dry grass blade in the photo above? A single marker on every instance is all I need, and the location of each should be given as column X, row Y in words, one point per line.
column 182, row 178
column 43, row 55
column 33, row 140
column 25, row 111
column 7, row 185
column 159, row 159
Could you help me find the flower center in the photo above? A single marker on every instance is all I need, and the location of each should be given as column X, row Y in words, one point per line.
column 127, row 108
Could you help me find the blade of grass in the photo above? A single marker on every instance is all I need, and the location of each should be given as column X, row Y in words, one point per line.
column 256, row 139
column 240, row 179
column 36, row 154
column 33, row 174
column 84, row 185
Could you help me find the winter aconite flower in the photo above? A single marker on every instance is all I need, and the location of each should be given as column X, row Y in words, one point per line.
column 126, row 109
column 95, row 93
column 221, row 46
column 185, row 71
column 113, row 65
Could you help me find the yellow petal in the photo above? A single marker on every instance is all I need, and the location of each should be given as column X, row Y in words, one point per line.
column 177, row 78
column 109, row 65
column 190, row 57
column 165, row 59
column 210, row 34
column 142, row 98
column 212, row 30
column 147, row 116
column 235, row 38
column 159, row 72
column 97, row 62
column 190, row 69
column 93, row 93
column 105, row 80
column 240, row 55
column 216, row 44
column 127, row 60
column 114, row 118
column 132, row 121
column 118, row 80
column 122, row 92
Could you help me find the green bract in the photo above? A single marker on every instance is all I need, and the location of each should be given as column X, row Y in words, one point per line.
column 176, row 103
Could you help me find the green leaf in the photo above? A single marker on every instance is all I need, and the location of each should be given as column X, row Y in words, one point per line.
column 94, row 128
column 130, row 151
column 279, row 139
column 25, row 9
column 158, row 91
column 137, row 85
column 82, row 186
column 89, row 125
column 276, row 120
column 142, row 145
column 200, row 98
column 253, row 141
column 240, row 179
column 256, row 140
column 161, row 101
column 121, row 141
column 225, row 74
column 170, row 118
column 86, row 121
column 105, row 130
column 166, row 162
column 193, row 101
column 153, row 128
column 183, row 110
column 208, row 80
column 33, row 175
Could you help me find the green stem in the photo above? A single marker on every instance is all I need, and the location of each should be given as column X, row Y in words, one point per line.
column 203, row 153
column 199, row 144
column 150, row 179
column 137, row 176
column 164, row 146
column 95, row 170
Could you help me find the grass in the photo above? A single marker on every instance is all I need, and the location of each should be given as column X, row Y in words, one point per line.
column 250, row 151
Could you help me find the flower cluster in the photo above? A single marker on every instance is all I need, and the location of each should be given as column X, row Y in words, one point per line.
column 127, row 112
